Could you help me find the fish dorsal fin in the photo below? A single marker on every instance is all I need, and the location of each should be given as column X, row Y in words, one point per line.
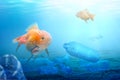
column 33, row 26
column 86, row 10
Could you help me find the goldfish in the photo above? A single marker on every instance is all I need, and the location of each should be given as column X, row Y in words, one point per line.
column 85, row 15
column 35, row 40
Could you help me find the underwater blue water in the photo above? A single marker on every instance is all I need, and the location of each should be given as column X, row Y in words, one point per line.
column 58, row 17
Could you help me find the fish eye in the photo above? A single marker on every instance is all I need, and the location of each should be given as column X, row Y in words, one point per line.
column 42, row 38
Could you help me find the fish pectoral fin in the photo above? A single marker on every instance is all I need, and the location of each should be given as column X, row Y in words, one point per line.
column 35, row 57
column 86, row 21
column 18, row 46
column 46, row 50
column 32, row 56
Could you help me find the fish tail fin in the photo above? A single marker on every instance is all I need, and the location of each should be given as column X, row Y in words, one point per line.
column 92, row 16
column 18, row 46
column 77, row 15
column 46, row 50
column 15, row 40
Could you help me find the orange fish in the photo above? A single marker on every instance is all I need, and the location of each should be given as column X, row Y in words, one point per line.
column 85, row 15
column 36, row 40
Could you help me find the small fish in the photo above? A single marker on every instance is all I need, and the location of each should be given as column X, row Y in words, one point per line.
column 85, row 15
column 96, row 37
